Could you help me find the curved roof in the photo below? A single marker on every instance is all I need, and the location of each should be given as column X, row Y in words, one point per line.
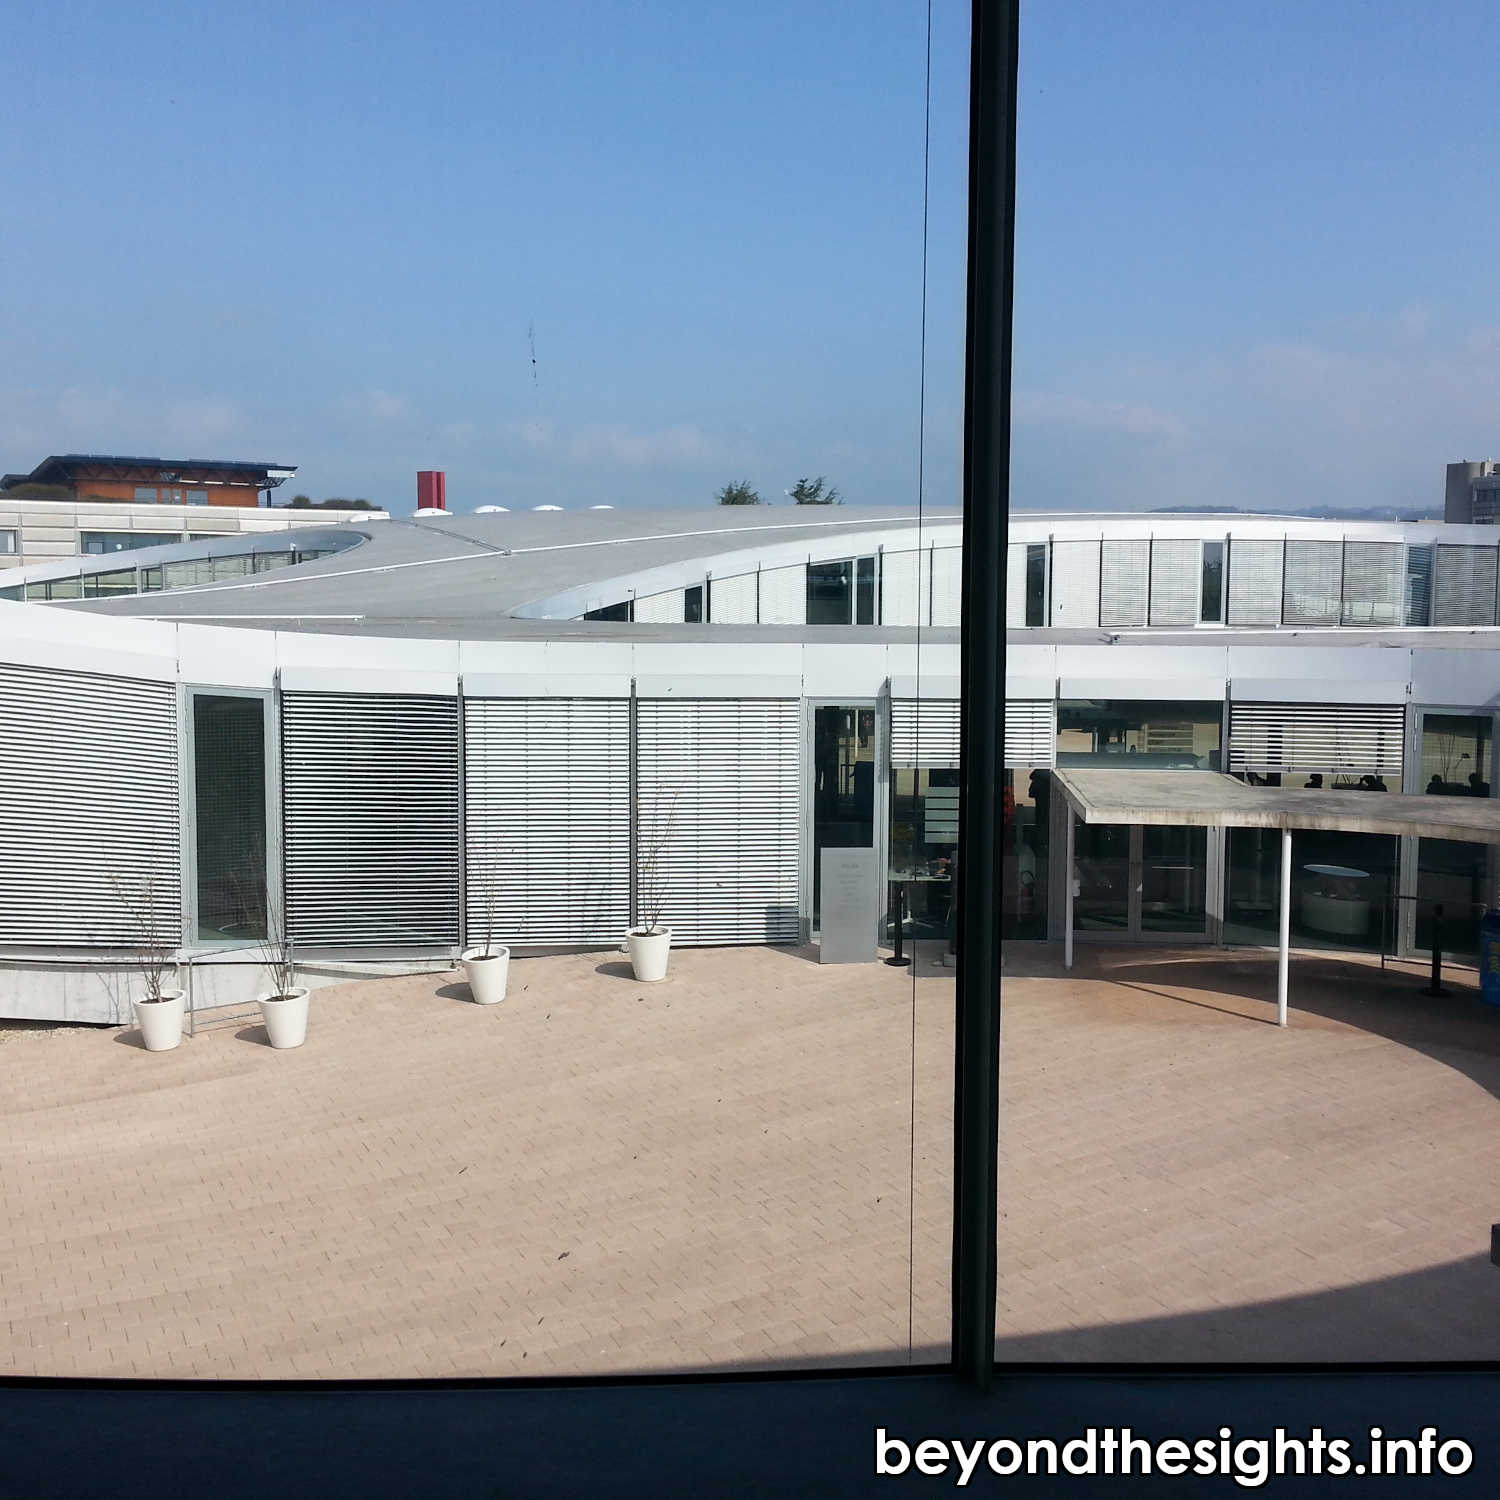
column 450, row 574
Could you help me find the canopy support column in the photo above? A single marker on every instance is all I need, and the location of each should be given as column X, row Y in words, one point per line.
column 1068, row 888
column 1284, row 953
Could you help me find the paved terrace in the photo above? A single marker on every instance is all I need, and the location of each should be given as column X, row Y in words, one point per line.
column 712, row 1172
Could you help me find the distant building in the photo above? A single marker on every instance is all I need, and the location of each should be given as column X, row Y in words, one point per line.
column 151, row 481
column 1471, row 496
column 76, row 504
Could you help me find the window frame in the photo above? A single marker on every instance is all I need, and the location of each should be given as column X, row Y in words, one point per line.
column 188, row 780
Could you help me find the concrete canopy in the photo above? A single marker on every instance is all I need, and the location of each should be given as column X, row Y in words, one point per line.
column 1208, row 799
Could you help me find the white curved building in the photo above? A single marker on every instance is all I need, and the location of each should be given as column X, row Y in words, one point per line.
column 371, row 725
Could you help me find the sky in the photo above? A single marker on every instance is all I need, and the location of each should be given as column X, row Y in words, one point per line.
column 626, row 253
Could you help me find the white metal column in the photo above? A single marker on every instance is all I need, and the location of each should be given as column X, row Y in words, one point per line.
column 1282, row 957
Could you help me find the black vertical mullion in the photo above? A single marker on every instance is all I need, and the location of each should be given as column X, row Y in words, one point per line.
column 987, row 384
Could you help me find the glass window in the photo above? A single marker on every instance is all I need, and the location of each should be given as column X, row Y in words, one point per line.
column 1036, row 584
column 229, row 782
column 864, row 591
column 830, row 593
column 1164, row 735
column 65, row 588
column 265, row 562
column 1211, row 608
column 36, row 591
column 146, row 494
column 1456, row 755
column 182, row 575
column 98, row 543
column 233, row 567
column 197, row 497
column 8, row 542
column 924, row 836
column 1418, row 584
column 104, row 585
column 151, row 580
column 18, row 593
column 1026, row 808
column 692, row 604
column 621, row 611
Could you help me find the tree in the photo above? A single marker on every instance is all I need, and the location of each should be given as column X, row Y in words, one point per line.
column 739, row 493
column 811, row 492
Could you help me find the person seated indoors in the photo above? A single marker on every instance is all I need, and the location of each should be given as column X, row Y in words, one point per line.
column 1437, row 787
column 1314, row 782
column 1478, row 787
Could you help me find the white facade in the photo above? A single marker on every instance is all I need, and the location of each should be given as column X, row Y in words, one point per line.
column 406, row 768
column 42, row 531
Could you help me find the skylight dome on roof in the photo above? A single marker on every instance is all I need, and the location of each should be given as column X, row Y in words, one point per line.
column 546, row 507
column 491, row 510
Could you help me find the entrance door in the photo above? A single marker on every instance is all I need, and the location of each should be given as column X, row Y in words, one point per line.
column 1138, row 882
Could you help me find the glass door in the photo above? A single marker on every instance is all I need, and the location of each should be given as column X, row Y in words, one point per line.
column 843, row 784
column 1138, row 883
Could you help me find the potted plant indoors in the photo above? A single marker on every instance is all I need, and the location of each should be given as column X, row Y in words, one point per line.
column 284, row 1007
column 487, row 967
column 649, row 944
column 159, row 1010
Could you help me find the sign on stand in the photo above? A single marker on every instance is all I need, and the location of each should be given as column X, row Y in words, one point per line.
column 849, row 906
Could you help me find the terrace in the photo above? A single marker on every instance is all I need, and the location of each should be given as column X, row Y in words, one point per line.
column 603, row 1176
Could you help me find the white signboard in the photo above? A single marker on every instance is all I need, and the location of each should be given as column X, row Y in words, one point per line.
column 849, row 906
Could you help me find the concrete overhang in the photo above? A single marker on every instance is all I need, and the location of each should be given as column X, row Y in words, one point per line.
column 1209, row 799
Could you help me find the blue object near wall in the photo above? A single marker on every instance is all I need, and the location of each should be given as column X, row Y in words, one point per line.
column 1489, row 957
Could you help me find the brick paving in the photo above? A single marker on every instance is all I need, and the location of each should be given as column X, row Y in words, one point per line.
column 596, row 1175
column 602, row 1176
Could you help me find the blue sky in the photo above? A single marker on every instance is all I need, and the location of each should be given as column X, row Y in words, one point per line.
column 1255, row 262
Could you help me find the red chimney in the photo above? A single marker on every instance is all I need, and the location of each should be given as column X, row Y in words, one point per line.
column 432, row 489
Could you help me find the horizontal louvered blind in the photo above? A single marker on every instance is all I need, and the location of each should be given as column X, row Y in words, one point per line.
column 1312, row 586
column 1123, row 572
column 924, row 732
column 547, row 819
column 1254, row 582
column 1176, row 580
column 1272, row 737
column 946, row 585
column 659, row 609
column 719, row 790
column 1075, row 584
column 1374, row 579
column 1463, row 586
column 905, row 587
column 370, row 818
column 783, row 596
column 89, row 844
column 1030, row 732
column 732, row 601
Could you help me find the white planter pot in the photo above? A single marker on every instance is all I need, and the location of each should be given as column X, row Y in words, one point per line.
column 648, row 952
column 160, row 1020
column 285, row 1017
column 487, row 976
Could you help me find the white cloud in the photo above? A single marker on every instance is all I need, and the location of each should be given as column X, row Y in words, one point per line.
column 620, row 444
column 1055, row 409
column 83, row 419
column 379, row 408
